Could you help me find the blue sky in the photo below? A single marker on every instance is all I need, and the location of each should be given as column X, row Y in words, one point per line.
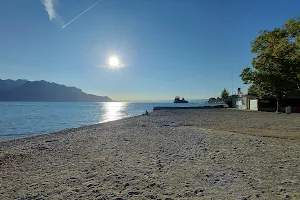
column 190, row 48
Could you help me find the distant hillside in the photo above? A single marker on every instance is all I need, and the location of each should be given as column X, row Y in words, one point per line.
column 9, row 84
column 23, row 90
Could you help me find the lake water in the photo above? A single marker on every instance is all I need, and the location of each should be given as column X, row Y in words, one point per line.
column 20, row 119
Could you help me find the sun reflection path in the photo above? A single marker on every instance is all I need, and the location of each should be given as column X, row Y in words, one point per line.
column 113, row 111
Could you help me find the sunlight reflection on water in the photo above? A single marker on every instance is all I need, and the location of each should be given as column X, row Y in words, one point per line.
column 113, row 111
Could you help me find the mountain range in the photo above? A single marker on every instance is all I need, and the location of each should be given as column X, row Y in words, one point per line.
column 43, row 91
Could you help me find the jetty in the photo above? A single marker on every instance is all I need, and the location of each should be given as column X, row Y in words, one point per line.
column 186, row 107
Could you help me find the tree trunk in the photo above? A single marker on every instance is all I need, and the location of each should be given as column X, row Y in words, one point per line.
column 279, row 97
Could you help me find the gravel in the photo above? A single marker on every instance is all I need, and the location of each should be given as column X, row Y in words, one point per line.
column 180, row 154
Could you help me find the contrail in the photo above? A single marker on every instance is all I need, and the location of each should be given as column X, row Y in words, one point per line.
column 81, row 14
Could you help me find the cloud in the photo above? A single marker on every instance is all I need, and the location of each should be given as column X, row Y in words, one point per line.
column 53, row 14
column 49, row 7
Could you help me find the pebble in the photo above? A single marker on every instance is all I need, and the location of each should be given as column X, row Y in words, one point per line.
column 151, row 196
column 198, row 190
column 134, row 193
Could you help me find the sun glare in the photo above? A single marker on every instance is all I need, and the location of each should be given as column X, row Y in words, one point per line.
column 114, row 62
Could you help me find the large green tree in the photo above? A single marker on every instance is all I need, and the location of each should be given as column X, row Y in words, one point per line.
column 276, row 65
column 252, row 90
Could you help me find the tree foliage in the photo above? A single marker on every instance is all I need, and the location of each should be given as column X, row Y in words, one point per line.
column 252, row 89
column 276, row 65
column 225, row 95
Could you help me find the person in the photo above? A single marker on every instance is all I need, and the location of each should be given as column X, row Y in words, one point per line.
column 146, row 113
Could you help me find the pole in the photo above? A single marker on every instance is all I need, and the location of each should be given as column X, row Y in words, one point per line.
column 232, row 82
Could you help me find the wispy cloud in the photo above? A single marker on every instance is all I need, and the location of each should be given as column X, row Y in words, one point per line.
column 49, row 7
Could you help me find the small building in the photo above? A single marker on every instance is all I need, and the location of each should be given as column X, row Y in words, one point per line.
column 268, row 104
column 244, row 101
column 239, row 101
column 292, row 100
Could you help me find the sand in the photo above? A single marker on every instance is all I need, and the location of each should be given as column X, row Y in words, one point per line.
column 180, row 154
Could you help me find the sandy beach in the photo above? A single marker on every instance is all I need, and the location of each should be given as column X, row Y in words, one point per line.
column 176, row 154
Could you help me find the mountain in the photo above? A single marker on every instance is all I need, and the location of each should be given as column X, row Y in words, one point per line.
column 24, row 90
column 10, row 84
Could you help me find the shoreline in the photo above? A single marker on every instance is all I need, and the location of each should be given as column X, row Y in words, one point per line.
column 68, row 129
column 173, row 154
column 154, row 109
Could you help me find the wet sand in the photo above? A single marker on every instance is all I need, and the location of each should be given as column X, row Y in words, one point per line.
column 180, row 154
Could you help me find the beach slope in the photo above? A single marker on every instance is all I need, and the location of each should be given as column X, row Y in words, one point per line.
column 175, row 154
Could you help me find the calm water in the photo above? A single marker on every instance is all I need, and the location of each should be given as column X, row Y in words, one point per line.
column 18, row 119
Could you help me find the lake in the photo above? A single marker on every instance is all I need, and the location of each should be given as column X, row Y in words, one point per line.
column 21, row 119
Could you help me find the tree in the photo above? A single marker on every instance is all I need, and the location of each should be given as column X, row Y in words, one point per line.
column 276, row 65
column 212, row 100
column 225, row 95
column 252, row 90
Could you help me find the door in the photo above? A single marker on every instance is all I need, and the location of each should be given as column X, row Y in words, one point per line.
column 253, row 104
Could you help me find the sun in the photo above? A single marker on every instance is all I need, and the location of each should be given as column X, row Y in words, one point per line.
column 114, row 62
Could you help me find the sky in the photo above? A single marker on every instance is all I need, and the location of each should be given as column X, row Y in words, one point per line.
column 189, row 48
